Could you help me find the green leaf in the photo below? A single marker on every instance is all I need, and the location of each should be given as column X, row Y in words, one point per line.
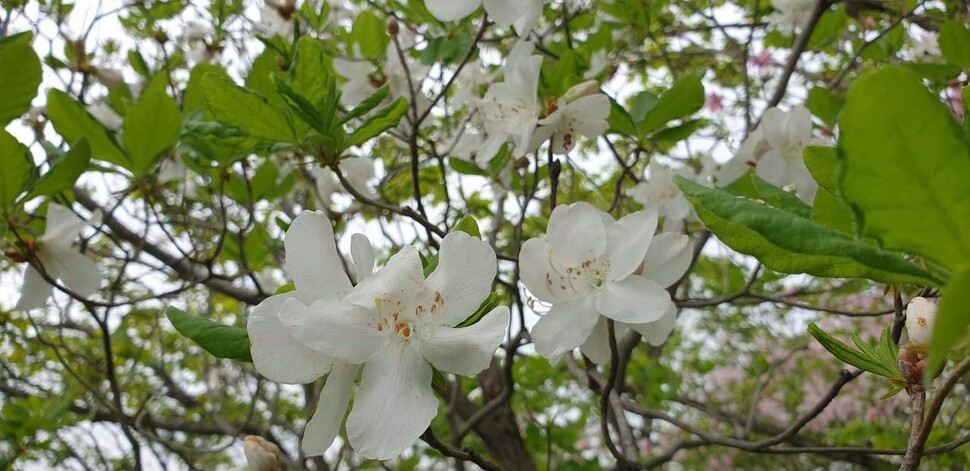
column 240, row 108
column 311, row 70
column 781, row 199
column 643, row 103
column 822, row 163
column 368, row 104
column 683, row 99
column 675, row 134
column 465, row 167
column 620, row 121
column 955, row 43
column 65, row 172
column 845, row 353
column 73, row 123
column 491, row 302
column 831, row 211
column 906, row 167
column 370, row 34
column 194, row 98
column 952, row 319
column 19, row 80
column 469, row 226
column 824, row 104
column 791, row 244
column 222, row 341
column 151, row 127
column 18, row 169
column 382, row 120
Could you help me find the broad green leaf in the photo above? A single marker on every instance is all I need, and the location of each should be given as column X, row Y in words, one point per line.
column 790, row 244
column 465, row 167
column 675, row 134
column 382, row 120
column 953, row 317
column 194, row 98
column 469, row 226
column 311, row 69
column 643, row 103
column 368, row 104
column 683, row 99
column 73, row 123
column 266, row 67
column 151, row 127
column 955, row 43
column 65, row 172
column 846, row 353
column 831, row 211
column 19, row 80
column 906, row 167
column 823, row 163
column 370, row 33
column 222, row 341
column 240, row 108
column 824, row 104
column 18, row 170
column 490, row 303
column 620, row 121
column 781, row 199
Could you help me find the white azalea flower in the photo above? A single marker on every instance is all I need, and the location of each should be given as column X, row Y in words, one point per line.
column 261, row 454
column 359, row 85
column 315, row 266
column 666, row 261
column 775, row 148
column 586, row 116
column 584, row 267
column 276, row 18
column 927, row 48
column 920, row 318
column 472, row 77
column 522, row 14
column 105, row 115
column 790, row 15
column 659, row 191
column 510, row 109
column 53, row 251
column 397, row 324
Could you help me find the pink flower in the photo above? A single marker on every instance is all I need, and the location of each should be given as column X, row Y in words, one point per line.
column 714, row 102
column 954, row 98
column 762, row 60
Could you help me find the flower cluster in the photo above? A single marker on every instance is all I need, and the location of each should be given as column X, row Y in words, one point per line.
column 390, row 329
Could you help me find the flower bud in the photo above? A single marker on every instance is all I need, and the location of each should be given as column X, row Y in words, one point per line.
column 920, row 317
column 393, row 28
column 261, row 454
column 587, row 88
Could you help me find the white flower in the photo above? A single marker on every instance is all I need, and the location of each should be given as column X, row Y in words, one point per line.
column 261, row 454
column 59, row 261
column 920, row 318
column 109, row 77
column 585, row 116
column 276, row 18
column 522, row 14
column 358, row 171
column 358, row 85
column 584, row 267
column 397, row 324
column 510, row 109
column 666, row 261
column 597, row 64
column 927, row 48
column 315, row 266
column 790, row 15
column 105, row 115
column 472, row 77
column 659, row 191
column 775, row 149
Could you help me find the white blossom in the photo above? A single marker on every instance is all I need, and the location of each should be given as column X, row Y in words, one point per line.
column 60, row 262
column 791, row 15
column 658, row 190
column 522, row 14
column 510, row 109
column 927, row 47
column 586, row 116
column 584, row 268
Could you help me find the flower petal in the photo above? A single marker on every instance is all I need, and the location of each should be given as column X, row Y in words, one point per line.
column 597, row 346
column 450, row 10
column 667, row 259
column 312, row 259
column 335, row 328
column 656, row 333
column 505, row 12
column 34, row 292
column 566, row 326
column 77, row 272
column 463, row 277
column 593, row 111
column 468, row 350
column 575, row 233
column 363, row 254
column 527, row 19
column 63, row 226
column 537, row 273
column 324, row 426
column 627, row 241
column 401, row 276
column 394, row 404
column 773, row 169
column 633, row 300
column 773, row 127
column 277, row 355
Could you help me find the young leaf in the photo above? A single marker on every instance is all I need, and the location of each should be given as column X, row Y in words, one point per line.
column 469, row 226
column 73, row 123
column 844, row 352
column 382, row 120
column 151, row 127
column 220, row 340
column 683, row 99
column 792, row 244
column 906, row 167
column 18, row 170
column 955, row 43
column 240, row 108
column 19, row 80
column 64, row 172
column 368, row 104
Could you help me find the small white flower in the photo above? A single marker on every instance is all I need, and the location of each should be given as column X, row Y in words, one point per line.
column 522, row 14
column 775, row 149
column 584, row 267
column 659, row 191
column 791, row 15
column 275, row 18
column 920, row 318
column 105, row 115
column 397, row 324
column 472, row 77
column 109, row 77
column 53, row 251
column 261, row 454
column 358, row 85
column 927, row 48
column 586, row 116
column 510, row 109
